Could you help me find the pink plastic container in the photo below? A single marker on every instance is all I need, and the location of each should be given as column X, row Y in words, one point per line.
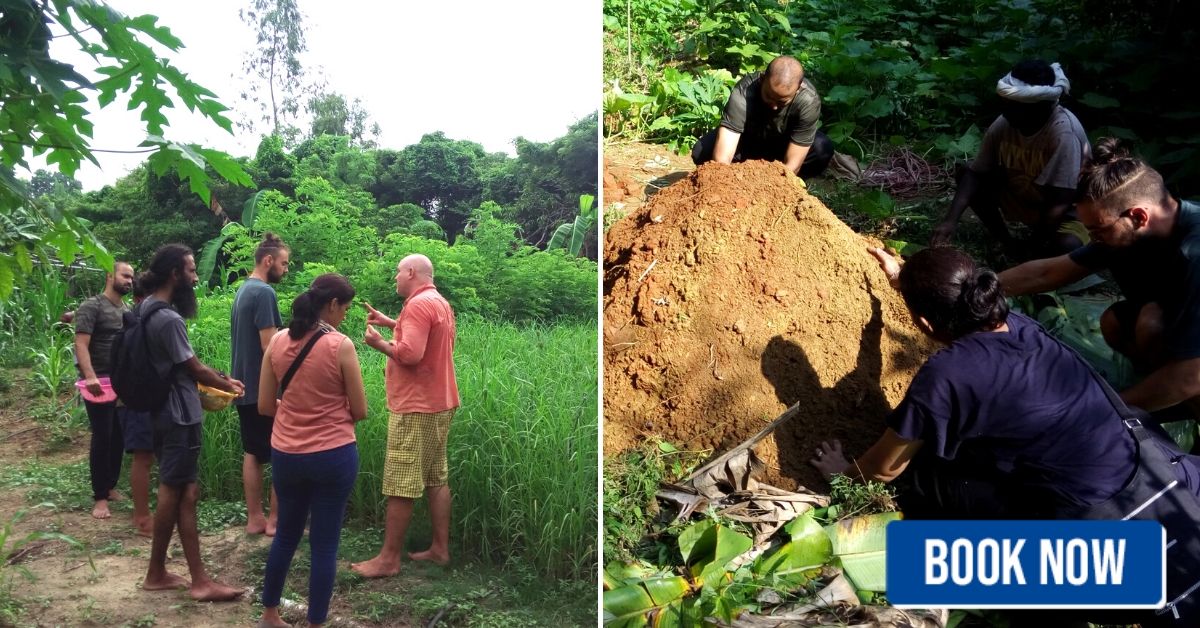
column 107, row 394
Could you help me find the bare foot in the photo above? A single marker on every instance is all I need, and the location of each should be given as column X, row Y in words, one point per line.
column 429, row 555
column 271, row 524
column 271, row 619
column 115, row 495
column 256, row 525
column 144, row 525
column 213, row 591
column 100, row 510
column 377, row 567
column 166, row 583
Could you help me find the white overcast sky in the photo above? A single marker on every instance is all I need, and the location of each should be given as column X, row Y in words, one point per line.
column 478, row 70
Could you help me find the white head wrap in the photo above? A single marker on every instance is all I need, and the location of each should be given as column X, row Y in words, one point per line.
column 1020, row 91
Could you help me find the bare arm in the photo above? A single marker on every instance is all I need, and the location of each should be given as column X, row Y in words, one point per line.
column 268, row 383
column 886, row 459
column 883, row 462
column 84, row 355
column 962, row 198
column 265, row 335
column 1170, row 384
column 795, row 156
column 726, row 148
column 204, row 374
column 352, row 377
column 1041, row 275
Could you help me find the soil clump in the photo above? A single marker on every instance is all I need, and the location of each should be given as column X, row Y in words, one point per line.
column 733, row 294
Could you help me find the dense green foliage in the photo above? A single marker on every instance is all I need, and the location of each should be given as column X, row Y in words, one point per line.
column 522, row 447
column 322, row 199
column 908, row 72
column 43, row 111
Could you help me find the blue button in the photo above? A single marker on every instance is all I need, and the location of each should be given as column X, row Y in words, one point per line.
column 1026, row 564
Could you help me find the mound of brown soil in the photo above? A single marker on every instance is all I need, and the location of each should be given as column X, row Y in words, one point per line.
column 734, row 294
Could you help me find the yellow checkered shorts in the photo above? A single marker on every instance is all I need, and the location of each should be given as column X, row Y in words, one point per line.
column 416, row 452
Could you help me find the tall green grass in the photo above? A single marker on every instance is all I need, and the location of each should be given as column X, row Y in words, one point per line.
column 522, row 447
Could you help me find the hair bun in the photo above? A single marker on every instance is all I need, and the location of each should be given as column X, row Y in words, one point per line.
column 983, row 299
column 1108, row 150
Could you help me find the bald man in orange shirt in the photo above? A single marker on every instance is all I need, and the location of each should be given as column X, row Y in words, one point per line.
column 422, row 395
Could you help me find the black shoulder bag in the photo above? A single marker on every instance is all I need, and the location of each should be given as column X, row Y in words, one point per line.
column 287, row 378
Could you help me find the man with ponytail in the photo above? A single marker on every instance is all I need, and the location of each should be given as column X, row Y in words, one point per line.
column 422, row 394
column 1027, row 165
column 1150, row 241
column 170, row 287
column 255, row 319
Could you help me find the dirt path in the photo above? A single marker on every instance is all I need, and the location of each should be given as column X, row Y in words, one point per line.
column 63, row 589
column 634, row 172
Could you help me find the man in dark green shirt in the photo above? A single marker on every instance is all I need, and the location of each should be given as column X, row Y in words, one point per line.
column 97, row 322
column 770, row 115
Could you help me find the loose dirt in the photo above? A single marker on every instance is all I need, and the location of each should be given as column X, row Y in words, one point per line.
column 733, row 294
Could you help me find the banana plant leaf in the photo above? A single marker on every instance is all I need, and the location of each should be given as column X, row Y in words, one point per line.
column 859, row 544
column 629, row 605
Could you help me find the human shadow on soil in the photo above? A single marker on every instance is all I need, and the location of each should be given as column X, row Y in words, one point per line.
column 858, row 394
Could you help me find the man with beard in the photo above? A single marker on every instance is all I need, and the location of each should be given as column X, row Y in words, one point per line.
column 139, row 442
column 770, row 115
column 255, row 320
column 97, row 322
column 171, row 280
column 1150, row 241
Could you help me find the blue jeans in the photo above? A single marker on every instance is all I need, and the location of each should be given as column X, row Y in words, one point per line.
column 320, row 483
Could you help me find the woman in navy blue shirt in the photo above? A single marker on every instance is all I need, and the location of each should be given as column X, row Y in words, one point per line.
column 1005, row 421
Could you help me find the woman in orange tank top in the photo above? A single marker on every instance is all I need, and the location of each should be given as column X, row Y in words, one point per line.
column 315, row 373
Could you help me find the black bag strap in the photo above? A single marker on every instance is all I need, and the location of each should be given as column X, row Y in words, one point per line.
column 287, row 378
column 143, row 317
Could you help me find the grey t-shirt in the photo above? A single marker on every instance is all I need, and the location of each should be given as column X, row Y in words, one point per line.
column 100, row 318
column 746, row 113
column 166, row 333
column 254, row 308
column 1053, row 157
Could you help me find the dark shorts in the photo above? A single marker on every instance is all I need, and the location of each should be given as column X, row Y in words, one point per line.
column 135, row 426
column 256, row 432
column 177, row 448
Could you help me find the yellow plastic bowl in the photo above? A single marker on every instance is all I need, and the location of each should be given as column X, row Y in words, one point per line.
column 214, row 399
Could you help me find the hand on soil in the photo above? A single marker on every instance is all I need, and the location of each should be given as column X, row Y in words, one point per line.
column 829, row 459
column 941, row 234
column 890, row 266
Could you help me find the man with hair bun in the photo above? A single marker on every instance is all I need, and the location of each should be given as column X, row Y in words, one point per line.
column 1150, row 241
column 254, row 321
column 1027, row 165
column 771, row 115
